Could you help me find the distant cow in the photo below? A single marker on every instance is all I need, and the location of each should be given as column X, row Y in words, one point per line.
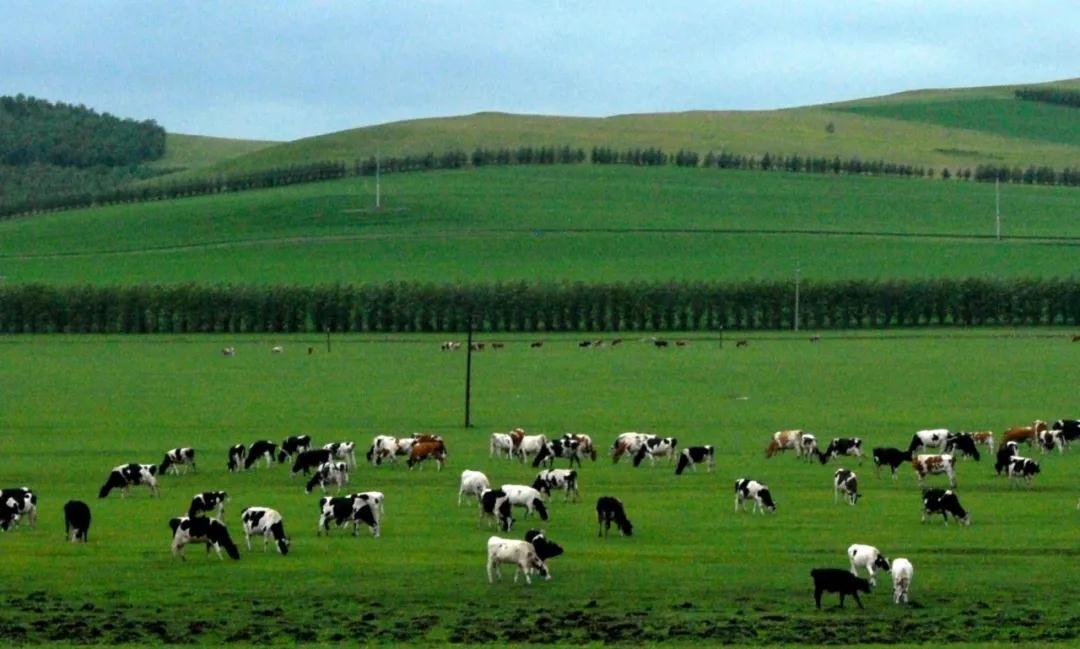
column 343, row 451
column 804, row 444
column 427, row 451
column 176, row 458
column 520, row 553
column 209, row 501
column 559, row 448
column 565, row 479
column 694, row 455
column 228, row 351
column 655, row 447
column 984, row 438
column 925, row 465
column 125, row 476
column 1070, row 429
column 610, row 510
column 495, row 506
column 962, row 444
column 20, row 503
column 585, row 443
column 346, row 510
column 262, row 449
column 628, row 444
column 842, row 446
column 450, row 346
column 1027, row 434
column 934, row 438
column 473, row 483
column 1022, row 468
column 1049, row 439
column 846, row 484
column 210, row 531
column 890, row 457
column 501, row 443
column 902, row 572
column 1004, row 454
column 328, row 474
column 868, row 557
column 836, row 580
column 76, row 520
column 944, row 502
column 237, row 455
column 311, row 459
column 524, row 496
column 746, row 489
column 292, row 445
column 267, row 523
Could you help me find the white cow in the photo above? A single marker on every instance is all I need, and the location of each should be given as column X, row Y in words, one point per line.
column 746, row 489
column 932, row 438
column 520, row 553
column 902, row 572
column 473, row 483
column 527, row 497
column 267, row 523
column 869, row 557
column 935, row 465
column 343, row 451
column 329, row 474
column 628, row 444
column 530, row 445
column 501, row 443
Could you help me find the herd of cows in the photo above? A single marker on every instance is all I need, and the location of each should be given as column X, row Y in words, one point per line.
column 329, row 467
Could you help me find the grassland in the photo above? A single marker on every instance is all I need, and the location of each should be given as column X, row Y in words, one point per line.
column 585, row 223
column 196, row 151
column 694, row 570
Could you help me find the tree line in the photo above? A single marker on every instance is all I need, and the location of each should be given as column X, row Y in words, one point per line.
column 537, row 307
column 1059, row 96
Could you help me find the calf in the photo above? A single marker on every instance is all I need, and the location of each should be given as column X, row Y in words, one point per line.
column 559, row 448
column 126, row 475
column 268, row 523
column 311, row 459
column 76, row 520
column 694, row 455
column 21, row 502
column 346, row 511
column 421, row 451
column 473, row 483
column 835, row 580
column 292, row 445
column 925, row 465
column 343, row 451
column 209, row 501
column 1007, row 451
column 964, row 443
column 520, row 553
column 210, row 531
column 176, row 458
column 655, row 447
column 495, row 505
column 933, row 438
column 237, row 455
column 565, row 479
column 868, row 557
column 526, row 497
column 846, row 484
column 902, row 572
column 610, row 510
column 329, row 473
column 940, row 501
column 746, row 489
column 263, row 449
column 501, row 443
column 890, row 457
column 842, row 446
column 1022, row 468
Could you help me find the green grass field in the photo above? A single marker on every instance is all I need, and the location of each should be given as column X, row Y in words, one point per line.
column 554, row 223
column 74, row 407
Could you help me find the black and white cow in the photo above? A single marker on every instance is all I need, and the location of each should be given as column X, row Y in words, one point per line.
column 237, row 455
column 520, row 553
column 311, row 459
column 1007, row 451
column 209, row 501
column 176, row 458
column 836, row 580
column 694, row 455
column 495, row 506
column 329, row 474
column 292, row 445
column 1022, row 468
column 962, row 444
column 655, row 447
column 1070, row 429
column 76, row 521
column 610, row 510
column 559, row 448
column 890, row 457
column 842, row 446
column 746, row 489
column 565, row 479
column 524, row 496
column 473, row 483
column 545, row 549
column 268, row 523
column 944, row 502
column 9, row 518
column 846, row 484
column 210, row 531
column 868, row 557
column 346, row 511
column 934, row 438
column 20, row 501
column 343, row 451
column 125, row 476
column 263, row 449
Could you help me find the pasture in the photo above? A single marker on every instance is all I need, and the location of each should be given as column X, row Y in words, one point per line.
column 74, row 407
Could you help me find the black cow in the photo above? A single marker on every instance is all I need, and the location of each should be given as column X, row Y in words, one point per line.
column 890, row 457
column 210, row 531
column 209, row 501
column 694, row 455
column 836, row 580
column 1004, row 455
column 842, row 446
column 76, row 520
column 608, row 510
column 961, row 444
column 944, row 502
column 262, row 449
column 545, row 549
column 292, row 445
column 495, row 504
column 8, row 516
column 308, row 460
column 17, row 503
column 237, row 454
column 1070, row 429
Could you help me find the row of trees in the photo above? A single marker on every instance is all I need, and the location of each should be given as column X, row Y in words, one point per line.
column 529, row 307
column 1032, row 175
column 1060, row 96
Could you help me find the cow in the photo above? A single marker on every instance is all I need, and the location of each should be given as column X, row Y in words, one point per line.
column 210, row 531
column 842, row 446
column 655, row 447
column 659, row 343
column 76, row 521
column 1026, row 434
column 1004, row 454
column 1049, row 439
column 501, row 443
column 387, row 448
column 268, row 523
column 427, row 451
column 746, row 489
column 836, row 580
column 804, row 444
column 346, row 510
column 934, row 438
column 343, row 451
column 473, row 483
column 277, row 349
column 9, row 518
column 925, row 465
column 495, row 506
column 374, row 499
column 545, row 549
column 262, row 449
column 237, row 455
column 964, row 443
column 628, row 444
column 520, row 553
column 450, row 346
column 984, row 438
column 176, row 458
column 565, row 479
column 328, row 473
column 585, row 444
column 228, row 351
column 694, row 455
column 126, row 475
column 570, row 450
column 846, row 484
column 1022, row 468
column 1070, row 429
column 868, row 557
column 530, row 445
column 22, row 502
column 292, row 445
column 209, row 501
column 585, row 344
column 890, row 457
column 311, row 459
column 536, row 344
column 523, row 496
column 610, row 510
column 902, row 572
column 742, row 343
column 944, row 502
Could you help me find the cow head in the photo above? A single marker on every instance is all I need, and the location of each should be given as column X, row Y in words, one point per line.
column 882, row 563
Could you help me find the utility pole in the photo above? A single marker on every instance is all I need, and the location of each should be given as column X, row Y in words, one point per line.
column 378, row 187
column 327, row 339
column 797, row 269
column 997, row 205
column 468, row 374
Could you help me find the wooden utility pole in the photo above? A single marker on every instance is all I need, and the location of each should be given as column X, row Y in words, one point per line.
column 468, row 375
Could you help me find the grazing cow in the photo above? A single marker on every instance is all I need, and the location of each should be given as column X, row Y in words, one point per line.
column 421, row 451
column 20, row 501
column 210, row 531
column 346, row 510
column 176, row 458
column 311, row 459
column 126, row 475
column 933, row 438
column 536, row 344
column 1004, row 454
column 925, row 465
column 1026, row 434
column 890, row 457
column 385, row 447
column 8, row 516
column 473, row 483
column 694, row 455
column 498, row 345
column 277, row 349
column 329, row 473
column 527, row 497
column 501, row 443
column 846, row 484
column 842, row 446
column 1048, row 439
column 584, row 441
column 228, row 351
column 545, row 549
column 268, row 523
column 530, row 445
column 902, row 572
column 76, row 520
column 655, row 447
column 237, row 454
column 564, row 479
column 804, row 444
column 868, row 557
column 1022, row 468
column 292, row 445
column 450, row 346
column 615, row 342
column 836, row 580
column 262, row 449
column 742, row 343
column 659, row 344
column 585, row 344
column 374, row 499
column 209, row 501
column 628, row 444
column 520, row 553
column 1070, row 429
column 746, row 489
column 343, row 451
column 944, row 502
column 964, row 443
column 476, row 347
column 571, row 450
column 610, row 510
column 495, row 506
column 984, row 438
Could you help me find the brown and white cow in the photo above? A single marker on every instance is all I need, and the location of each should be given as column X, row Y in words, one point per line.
column 427, row 451
column 984, row 438
column 925, row 465
column 804, row 444
column 1027, row 434
column 628, row 444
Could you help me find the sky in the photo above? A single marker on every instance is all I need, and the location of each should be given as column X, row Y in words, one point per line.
column 283, row 70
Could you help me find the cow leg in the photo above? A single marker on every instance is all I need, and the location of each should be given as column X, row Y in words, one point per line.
column 817, row 597
column 858, row 601
column 247, row 537
column 842, row 593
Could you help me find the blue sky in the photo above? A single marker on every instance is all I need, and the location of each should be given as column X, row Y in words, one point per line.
column 286, row 70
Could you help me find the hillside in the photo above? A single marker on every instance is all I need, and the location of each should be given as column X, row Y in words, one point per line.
column 196, row 151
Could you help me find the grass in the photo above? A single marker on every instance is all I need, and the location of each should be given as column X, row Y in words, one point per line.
column 557, row 223
column 194, row 151
column 76, row 406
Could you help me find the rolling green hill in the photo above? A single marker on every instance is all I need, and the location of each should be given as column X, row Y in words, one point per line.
column 196, row 151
